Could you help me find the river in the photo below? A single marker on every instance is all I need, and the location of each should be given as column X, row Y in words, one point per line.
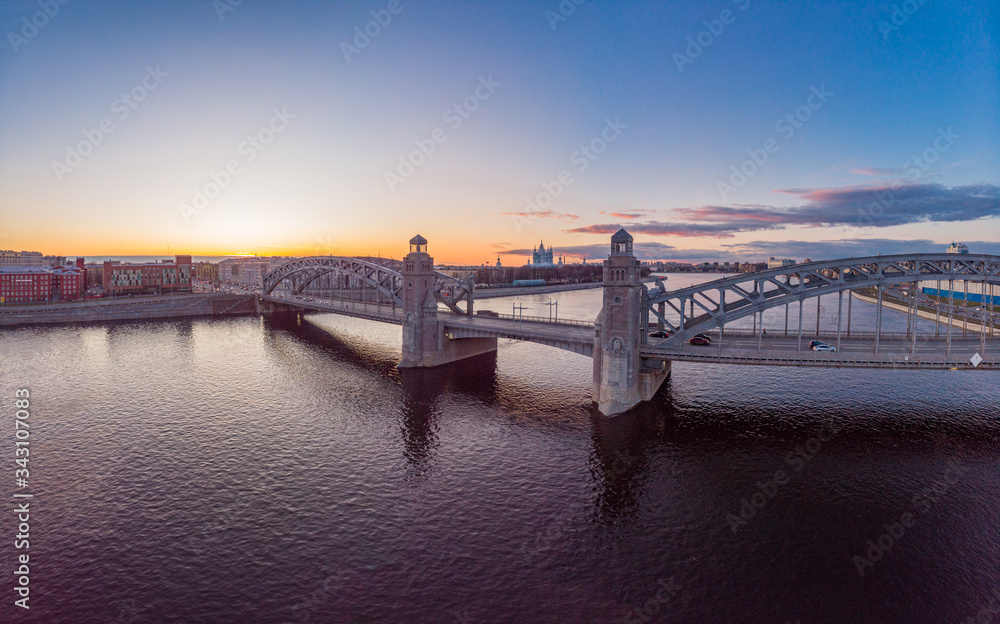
column 251, row 470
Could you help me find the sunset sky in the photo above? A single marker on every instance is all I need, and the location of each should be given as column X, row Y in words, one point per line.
column 860, row 127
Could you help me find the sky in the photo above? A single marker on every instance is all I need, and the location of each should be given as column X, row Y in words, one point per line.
column 712, row 130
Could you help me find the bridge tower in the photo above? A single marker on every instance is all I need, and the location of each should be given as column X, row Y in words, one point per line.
column 621, row 376
column 425, row 343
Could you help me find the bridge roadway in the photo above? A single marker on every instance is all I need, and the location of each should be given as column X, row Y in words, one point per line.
column 926, row 354
column 575, row 336
column 578, row 336
column 384, row 313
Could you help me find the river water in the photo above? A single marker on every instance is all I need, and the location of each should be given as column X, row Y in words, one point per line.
column 249, row 470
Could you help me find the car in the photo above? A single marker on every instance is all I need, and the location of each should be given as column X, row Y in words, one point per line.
column 705, row 336
column 825, row 348
column 698, row 340
column 814, row 343
column 659, row 333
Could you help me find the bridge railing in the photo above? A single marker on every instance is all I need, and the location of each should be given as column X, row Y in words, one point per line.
column 833, row 360
column 541, row 319
column 956, row 334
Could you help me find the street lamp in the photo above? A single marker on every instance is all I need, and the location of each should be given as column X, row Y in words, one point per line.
column 550, row 304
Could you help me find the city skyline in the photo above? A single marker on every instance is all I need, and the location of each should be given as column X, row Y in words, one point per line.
column 725, row 131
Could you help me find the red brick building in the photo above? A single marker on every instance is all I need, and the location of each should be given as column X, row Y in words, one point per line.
column 68, row 283
column 35, row 284
column 147, row 278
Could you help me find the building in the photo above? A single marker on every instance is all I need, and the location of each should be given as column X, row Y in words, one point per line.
column 753, row 267
column 248, row 271
column 54, row 261
column 957, row 248
column 95, row 274
column 68, row 282
column 10, row 258
column 499, row 266
column 37, row 284
column 165, row 276
column 208, row 271
column 540, row 256
column 779, row 263
column 24, row 284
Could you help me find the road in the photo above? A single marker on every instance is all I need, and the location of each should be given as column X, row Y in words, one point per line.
column 847, row 345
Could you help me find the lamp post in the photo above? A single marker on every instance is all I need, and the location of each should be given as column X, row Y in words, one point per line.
column 551, row 304
column 517, row 307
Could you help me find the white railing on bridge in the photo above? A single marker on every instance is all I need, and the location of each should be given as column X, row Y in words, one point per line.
column 539, row 319
column 956, row 334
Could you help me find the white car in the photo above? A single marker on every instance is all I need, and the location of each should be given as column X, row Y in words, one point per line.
column 825, row 347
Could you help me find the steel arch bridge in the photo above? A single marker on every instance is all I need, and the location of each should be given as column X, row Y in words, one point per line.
column 381, row 274
column 728, row 299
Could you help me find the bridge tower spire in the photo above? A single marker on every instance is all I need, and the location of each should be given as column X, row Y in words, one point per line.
column 425, row 343
column 621, row 377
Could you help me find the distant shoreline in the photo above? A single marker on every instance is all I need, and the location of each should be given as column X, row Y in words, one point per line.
column 517, row 291
column 130, row 309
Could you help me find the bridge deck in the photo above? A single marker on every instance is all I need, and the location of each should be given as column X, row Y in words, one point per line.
column 578, row 338
column 384, row 313
column 853, row 353
column 575, row 338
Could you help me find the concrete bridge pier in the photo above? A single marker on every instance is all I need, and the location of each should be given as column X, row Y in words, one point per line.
column 622, row 378
column 425, row 343
column 271, row 308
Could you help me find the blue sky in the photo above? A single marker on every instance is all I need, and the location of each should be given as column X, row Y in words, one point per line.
column 900, row 149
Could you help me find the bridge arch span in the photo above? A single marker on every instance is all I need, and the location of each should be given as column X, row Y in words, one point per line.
column 382, row 274
column 713, row 304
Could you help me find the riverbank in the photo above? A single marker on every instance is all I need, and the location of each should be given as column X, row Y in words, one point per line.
column 130, row 309
column 974, row 326
column 518, row 291
column 490, row 293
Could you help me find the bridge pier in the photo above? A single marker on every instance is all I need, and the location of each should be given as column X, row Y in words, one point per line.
column 425, row 343
column 270, row 308
column 622, row 378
